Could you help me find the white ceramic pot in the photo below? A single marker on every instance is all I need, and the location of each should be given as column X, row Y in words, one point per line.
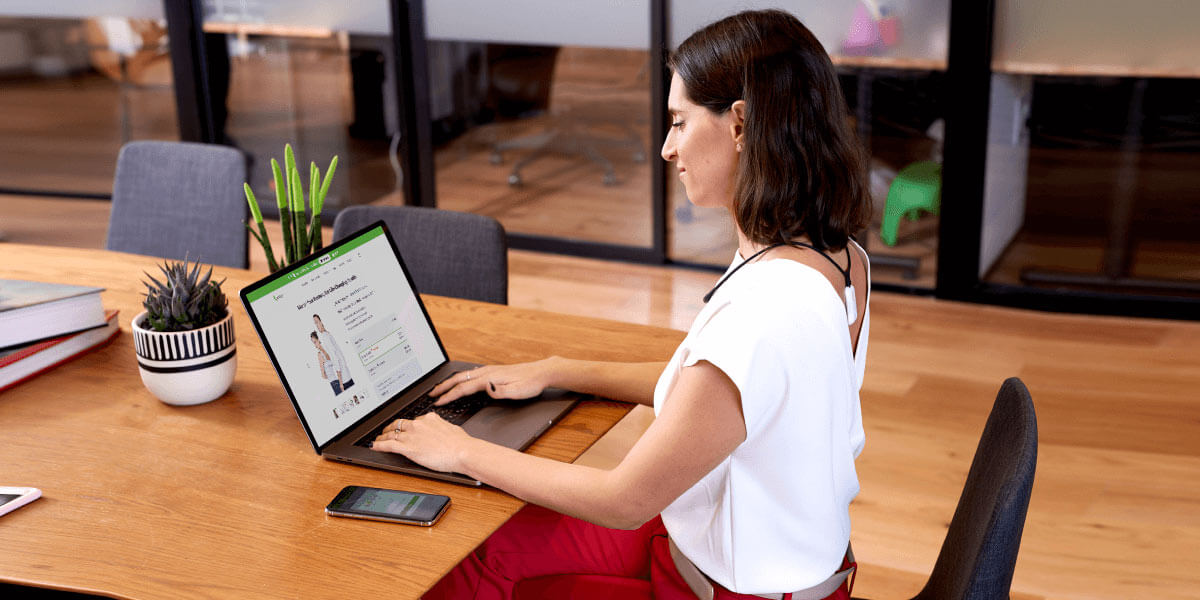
column 186, row 367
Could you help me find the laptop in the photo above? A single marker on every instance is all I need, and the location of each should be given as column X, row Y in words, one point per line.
column 355, row 349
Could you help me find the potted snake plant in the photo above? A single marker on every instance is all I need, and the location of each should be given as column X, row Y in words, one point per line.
column 184, row 339
column 300, row 220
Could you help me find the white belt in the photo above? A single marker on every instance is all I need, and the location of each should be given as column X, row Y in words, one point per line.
column 702, row 586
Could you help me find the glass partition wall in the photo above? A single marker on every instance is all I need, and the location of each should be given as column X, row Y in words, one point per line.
column 312, row 75
column 542, row 119
column 1020, row 153
column 891, row 59
column 1100, row 193
column 77, row 80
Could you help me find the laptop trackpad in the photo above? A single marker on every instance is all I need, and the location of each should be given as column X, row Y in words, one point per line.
column 515, row 425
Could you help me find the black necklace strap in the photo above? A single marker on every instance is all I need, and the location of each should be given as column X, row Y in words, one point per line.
column 845, row 272
column 710, row 293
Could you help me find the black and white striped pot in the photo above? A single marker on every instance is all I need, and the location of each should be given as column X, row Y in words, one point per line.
column 186, row 367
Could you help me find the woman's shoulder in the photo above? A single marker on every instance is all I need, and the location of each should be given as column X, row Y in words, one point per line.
column 783, row 283
column 773, row 298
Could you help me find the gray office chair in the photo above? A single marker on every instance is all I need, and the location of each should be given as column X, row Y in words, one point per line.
column 177, row 199
column 980, row 550
column 448, row 253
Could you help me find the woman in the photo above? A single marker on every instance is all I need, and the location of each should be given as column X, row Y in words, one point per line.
column 330, row 345
column 750, row 460
column 325, row 362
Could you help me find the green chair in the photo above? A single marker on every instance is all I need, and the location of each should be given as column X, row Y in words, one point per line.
column 917, row 187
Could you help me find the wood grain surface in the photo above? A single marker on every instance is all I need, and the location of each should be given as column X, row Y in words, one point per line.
column 225, row 500
column 1115, row 511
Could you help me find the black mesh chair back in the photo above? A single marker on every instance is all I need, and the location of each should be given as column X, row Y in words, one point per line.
column 980, row 550
column 180, row 199
column 448, row 253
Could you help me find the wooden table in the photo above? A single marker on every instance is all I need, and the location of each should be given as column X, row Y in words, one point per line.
column 225, row 500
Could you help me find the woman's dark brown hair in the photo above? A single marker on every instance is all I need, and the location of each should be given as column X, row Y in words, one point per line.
column 802, row 171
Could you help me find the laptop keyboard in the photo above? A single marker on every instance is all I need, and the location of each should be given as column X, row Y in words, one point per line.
column 456, row 412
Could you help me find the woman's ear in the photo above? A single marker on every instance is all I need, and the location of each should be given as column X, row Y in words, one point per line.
column 738, row 112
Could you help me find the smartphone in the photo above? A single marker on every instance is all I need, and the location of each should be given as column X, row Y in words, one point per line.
column 377, row 504
column 12, row 498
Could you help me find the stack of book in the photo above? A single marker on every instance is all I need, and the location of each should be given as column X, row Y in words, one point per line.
column 43, row 325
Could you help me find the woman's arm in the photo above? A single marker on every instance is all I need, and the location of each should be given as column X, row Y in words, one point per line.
column 700, row 425
column 321, row 363
column 626, row 382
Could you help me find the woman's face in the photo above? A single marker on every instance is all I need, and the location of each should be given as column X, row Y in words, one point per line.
column 703, row 147
column 316, row 342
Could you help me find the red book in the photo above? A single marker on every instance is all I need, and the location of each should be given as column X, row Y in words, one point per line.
column 25, row 362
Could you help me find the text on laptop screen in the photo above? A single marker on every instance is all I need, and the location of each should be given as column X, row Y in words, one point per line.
column 347, row 332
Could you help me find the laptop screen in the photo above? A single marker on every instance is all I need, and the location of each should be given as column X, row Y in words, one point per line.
column 346, row 331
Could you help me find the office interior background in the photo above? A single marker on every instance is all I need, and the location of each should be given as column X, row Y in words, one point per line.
column 1049, row 149
column 1070, row 182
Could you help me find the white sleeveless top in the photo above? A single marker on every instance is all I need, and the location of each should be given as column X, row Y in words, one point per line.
column 327, row 365
column 335, row 353
column 774, row 515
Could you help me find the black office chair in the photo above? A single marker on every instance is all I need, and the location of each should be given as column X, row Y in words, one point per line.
column 980, row 550
column 180, row 199
column 588, row 119
column 448, row 253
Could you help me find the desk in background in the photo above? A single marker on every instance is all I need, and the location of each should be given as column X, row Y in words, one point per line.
column 226, row 499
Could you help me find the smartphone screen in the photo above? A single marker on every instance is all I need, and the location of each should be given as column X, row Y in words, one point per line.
column 388, row 505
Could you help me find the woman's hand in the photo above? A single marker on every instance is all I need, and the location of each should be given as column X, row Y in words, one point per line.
column 517, row 382
column 429, row 440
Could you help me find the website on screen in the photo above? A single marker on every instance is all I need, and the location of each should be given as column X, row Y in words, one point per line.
column 347, row 331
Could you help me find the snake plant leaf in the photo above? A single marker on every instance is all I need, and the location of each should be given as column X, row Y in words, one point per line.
column 300, row 218
column 280, row 188
column 289, row 159
column 315, row 232
column 314, row 182
column 254, row 210
column 298, row 211
column 285, row 219
column 265, row 242
column 328, row 180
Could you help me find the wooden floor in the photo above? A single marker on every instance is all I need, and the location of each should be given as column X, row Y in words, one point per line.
column 1115, row 511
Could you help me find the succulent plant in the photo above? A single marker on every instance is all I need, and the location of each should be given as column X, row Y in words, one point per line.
column 186, row 300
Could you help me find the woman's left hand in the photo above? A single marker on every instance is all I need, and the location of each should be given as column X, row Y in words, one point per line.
column 429, row 440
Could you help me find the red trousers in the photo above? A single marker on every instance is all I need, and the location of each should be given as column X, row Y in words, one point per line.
column 537, row 542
